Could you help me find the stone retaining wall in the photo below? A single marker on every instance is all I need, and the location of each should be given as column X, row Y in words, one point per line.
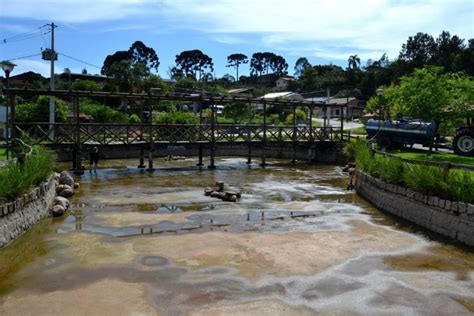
column 18, row 216
column 445, row 217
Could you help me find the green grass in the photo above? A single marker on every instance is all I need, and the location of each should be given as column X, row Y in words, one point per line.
column 441, row 157
column 15, row 179
column 430, row 180
column 359, row 131
column 3, row 154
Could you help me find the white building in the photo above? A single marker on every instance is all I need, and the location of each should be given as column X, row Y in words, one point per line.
column 353, row 109
column 283, row 82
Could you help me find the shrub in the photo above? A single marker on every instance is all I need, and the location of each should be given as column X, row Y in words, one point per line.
column 15, row 179
column 177, row 118
column 429, row 180
column 38, row 110
column 134, row 119
column 102, row 113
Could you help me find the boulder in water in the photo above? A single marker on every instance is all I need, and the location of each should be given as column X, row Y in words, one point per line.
column 58, row 211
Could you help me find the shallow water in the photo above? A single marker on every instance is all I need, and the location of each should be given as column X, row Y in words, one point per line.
column 295, row 243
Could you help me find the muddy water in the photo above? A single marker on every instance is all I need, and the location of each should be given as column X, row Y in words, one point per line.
column 296, row 243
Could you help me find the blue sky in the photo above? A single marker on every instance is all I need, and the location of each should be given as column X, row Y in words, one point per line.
column 323, row 31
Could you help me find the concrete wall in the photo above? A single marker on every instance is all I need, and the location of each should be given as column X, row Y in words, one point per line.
column 18, row 216
column 324, row 152
column 448, row 218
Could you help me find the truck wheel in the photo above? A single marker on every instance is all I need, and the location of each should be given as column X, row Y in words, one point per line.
column 463, row 142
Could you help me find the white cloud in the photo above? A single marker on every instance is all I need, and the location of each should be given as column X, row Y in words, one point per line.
column 366, row 27
column 39, row 66
column 75, row 11
column 363, row 27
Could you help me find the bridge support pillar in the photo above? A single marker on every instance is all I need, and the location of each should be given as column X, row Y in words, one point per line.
column 249, row 154
column 142, row 158
column 200, row 164
column 150, row 161
column 77, row 167
column 212, row 158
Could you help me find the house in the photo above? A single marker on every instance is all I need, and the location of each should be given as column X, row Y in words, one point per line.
column 240, row 91
column 353, row 109
column 279, row 96
column 79, row 76
column 283, row 82
column 28, row 79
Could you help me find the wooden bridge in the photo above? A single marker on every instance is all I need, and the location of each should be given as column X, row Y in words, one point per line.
column 207, row 133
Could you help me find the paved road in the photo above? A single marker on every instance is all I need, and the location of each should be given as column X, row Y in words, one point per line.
column 337, row 123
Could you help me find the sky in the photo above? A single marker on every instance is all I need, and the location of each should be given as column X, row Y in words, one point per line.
column 320, row 30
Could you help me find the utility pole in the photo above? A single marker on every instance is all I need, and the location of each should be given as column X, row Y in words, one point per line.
column 52, row 107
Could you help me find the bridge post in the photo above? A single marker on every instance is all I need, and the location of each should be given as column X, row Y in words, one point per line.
column 342, row 119
column 293, row 161
column 151, row 141
column 264, row 143
column 200, row 164
column 77, row 153
column 142, row 158
column 213, row 139
column 311, row 135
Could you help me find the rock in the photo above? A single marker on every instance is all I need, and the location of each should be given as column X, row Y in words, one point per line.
column 221, row 195
column 58, row 210
column 59, row 200
column 56, row 176
column 60, row 188
column 67, row 193
column 232, row 198
column 220, row 186
column 214, row 194
column 207, row 191
column 66, row 178
column 76, row 185
column 238, row 195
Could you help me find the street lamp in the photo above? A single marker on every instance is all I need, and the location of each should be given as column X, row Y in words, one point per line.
column 379, row 92
column 7, row 67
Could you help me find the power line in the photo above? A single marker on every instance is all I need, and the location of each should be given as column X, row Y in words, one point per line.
column 37, row 32
column 23, row 57
column 78, row 60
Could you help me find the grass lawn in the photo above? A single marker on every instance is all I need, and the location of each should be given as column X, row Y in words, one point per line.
column 359, row 131
column 421, row 155
column 3, row 155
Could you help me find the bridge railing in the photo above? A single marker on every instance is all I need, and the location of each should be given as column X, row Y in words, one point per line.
column 127, row 134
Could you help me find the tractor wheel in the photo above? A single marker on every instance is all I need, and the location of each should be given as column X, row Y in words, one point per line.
column 463, row 142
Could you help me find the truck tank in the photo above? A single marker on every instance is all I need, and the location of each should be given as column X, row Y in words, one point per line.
column 397, row 133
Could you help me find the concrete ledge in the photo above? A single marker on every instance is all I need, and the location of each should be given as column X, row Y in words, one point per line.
column 323, row 152
column 18, row 216
column 452, row 219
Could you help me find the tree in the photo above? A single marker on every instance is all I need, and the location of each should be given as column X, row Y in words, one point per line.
column 448, row 50
column 301, row 65
column 128, row 75
column 193, row 62
column 84, row 71
column 235, row 60
column 116, row 57
column 418, row 50
column 353, row 62
column 431, row 95
column 138, row 53
column 263, row 62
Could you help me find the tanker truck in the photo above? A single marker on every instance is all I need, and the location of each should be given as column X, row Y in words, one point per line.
column 406, row 131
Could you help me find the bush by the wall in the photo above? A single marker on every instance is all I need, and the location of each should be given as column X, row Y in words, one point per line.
column 16, row 179
column 429, row 180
